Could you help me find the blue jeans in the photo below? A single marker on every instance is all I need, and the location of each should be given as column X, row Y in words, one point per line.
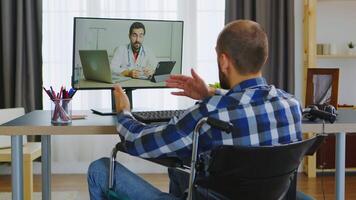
column 125, row 183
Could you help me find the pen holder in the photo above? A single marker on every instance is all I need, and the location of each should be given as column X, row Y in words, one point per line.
column 61, row 111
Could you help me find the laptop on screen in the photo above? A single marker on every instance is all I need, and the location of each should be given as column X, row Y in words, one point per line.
column 96, row 67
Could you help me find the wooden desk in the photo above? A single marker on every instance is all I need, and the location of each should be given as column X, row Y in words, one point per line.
column 346, row 122
column 38, row 123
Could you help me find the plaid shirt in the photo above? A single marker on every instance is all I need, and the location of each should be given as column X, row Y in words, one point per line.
column 262, row 115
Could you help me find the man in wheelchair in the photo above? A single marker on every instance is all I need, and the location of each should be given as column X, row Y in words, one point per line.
column 261, row 114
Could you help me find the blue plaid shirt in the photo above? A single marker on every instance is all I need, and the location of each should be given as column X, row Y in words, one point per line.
column 262, row 115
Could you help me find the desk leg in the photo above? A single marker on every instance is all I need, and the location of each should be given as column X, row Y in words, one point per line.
column 340, row 166
column 46, row 167
column 17, row 167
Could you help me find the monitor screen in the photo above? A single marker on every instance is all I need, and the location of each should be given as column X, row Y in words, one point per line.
column 133, row 53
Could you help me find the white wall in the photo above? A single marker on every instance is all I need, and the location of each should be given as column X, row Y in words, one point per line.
column 298, row 59
column 336, row 24
column 298, row 43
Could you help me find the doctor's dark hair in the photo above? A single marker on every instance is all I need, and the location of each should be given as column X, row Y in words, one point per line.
column 137, row 25
column 246, row 43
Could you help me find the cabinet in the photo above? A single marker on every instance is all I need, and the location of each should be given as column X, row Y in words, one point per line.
column 336, row 29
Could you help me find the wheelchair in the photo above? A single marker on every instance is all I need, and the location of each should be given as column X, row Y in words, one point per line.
column 235, row 172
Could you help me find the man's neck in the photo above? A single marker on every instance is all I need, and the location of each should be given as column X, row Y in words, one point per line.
column 237, row 78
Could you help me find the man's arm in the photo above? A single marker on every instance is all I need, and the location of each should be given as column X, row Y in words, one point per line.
column 193, row 87
column 149, row 141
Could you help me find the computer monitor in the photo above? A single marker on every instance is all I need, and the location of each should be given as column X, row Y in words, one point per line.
column 132, row 52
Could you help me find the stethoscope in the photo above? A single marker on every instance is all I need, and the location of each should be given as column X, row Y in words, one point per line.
column 142, row 51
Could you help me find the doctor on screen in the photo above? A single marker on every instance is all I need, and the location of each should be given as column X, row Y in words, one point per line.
column 134, row 60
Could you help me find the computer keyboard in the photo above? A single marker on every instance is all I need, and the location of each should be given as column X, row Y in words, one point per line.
column 157, row 116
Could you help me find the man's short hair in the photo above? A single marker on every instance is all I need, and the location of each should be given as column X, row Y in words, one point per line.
column 137, row 25
column 246, row 43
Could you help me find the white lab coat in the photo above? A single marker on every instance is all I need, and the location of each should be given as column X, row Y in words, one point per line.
column 123, row 59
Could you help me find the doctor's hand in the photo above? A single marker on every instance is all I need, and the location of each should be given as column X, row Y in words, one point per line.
column 134, row 73
column 122, row 102
column 193, row 87
column 147, row 71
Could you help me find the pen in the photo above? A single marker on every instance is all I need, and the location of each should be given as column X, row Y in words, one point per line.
column 48, row 93
column 65, row 93
column 70, row 91
column 65, row 96
column 60, row 92
column 73, row 93
column 53, row 93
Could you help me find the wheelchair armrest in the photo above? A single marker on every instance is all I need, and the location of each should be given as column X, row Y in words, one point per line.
column 167, row 162
column 120, row 147
column 319, row 139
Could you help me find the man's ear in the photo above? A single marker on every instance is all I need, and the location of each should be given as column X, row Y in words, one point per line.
column 224, row 63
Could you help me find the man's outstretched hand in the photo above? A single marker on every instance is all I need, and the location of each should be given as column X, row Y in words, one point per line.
column 193, row 87
column 122, row 102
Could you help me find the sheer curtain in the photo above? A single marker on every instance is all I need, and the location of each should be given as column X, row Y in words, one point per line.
column 202, row 21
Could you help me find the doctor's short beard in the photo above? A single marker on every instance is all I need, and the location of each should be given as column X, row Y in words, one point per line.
column 136, row 46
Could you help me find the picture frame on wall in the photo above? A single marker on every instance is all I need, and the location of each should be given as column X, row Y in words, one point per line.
column 322, row 86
